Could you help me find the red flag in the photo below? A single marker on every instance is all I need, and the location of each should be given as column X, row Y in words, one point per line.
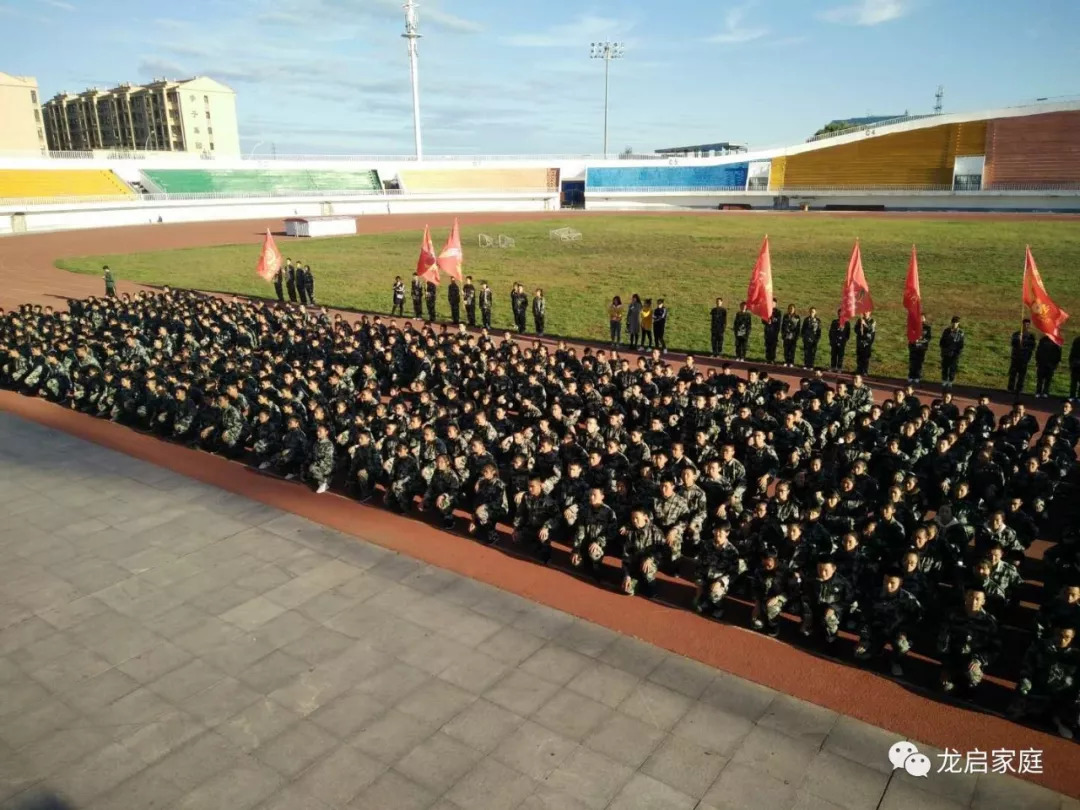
column 856, row 296
column 269, row 259
column 1047, row 316
column 450, row 259
column 427, row 267
column 759, row 295
column 913, row 299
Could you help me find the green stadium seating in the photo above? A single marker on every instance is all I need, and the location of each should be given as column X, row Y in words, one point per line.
column 257, row 181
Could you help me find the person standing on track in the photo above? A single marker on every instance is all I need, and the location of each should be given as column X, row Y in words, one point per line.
column 290, row 280
column 539, row 309
column 1074, row 368
column 646, row 323
column 660, row 318
column 865, row 334
column 718, row 323
column 301, row 284
column 811, row 336
column 741, row 326
column 917, row 354
column 772, row 333
column 468, row 292
column 633, row 321
column 615, row 321
column 486, row 299
column 453, row 296
column 398, row 305
column 429, row 298
column 1023, row 346
column 838, row 339
column 110, row 282
column 417, row 297
column 952, row 346
column 309, row 284
column 1047, row 359
column 790, row 326
column 519, row 304
column 279, row 277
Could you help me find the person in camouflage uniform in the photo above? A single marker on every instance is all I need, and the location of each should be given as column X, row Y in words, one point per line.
column 406, row 482
column 363, row 467
column 595, row 530
column 536, row 519
column 1049, row 681
column 442, row 490
column 826, row 599
column 968, row 642
column 320, row 461
column 489, row 504
column 644, row 548
column 719, row 566
column 769, row 589
column 889, row 619
column 671, row 516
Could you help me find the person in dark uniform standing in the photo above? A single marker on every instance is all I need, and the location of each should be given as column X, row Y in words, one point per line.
column 417, row 293
column 309, row 284
column 487, row 297
column 1047, row 358
column 838, row 340
column 1074, row 368
column 301, row 284
column 811, row 336
column 539, row 308
column 790, row 326
column 110, row 282
column 772, row 333
column 290, row 280
column 453, row 295
column 468, row 292
column 429, row 294
column 1023, row 346
column 741, row 326
column 718, row 324
column 398, row 306
column 279, row 278
column 659, row 321
column 519, row 303
column 865, row 334
column 917, row 353
column 952, row 346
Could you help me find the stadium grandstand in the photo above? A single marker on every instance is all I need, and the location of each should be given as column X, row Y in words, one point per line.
column 1020, row 158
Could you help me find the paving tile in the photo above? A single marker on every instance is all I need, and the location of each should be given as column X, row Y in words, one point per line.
column 51, row 648
column 58, row 751
column 808, row 801
column 337, row 778
column 65, row 674
column 604, row 683
column 625, row 739
column 545, row 798
column 471, row 628
column 72, row 613
column 684, row 765
column 521, row 692
column 799, row 719
column 844, row 782
column 219, row 702
column 534, row 750
column 318, row 645
column 253, row 613
column 238, row 788
column 741, row 786
column 590, row 777
column 393, row 683
column 491, row 786
column 713, row 729
column 391, row 735
column 556, row 664
column 482, row 725
column 273, row 671
column 392, row 791
column 222, row 599
column 198, row 760
column 434, row 654
column 292, row 797
column 737, row 696
column 904, row 796
column 19, row 730
column 295, row 748
column 438, row 762
column 586, row 638
column 187, row 680
column 435, row 701
column 861, row 743
column 257, row 724
column 96, row 693
column 998, row 790
column 645, row 793
column 148, row 789
column 151, row 665
column 102, row 771
column 345, row 715
column 474, row 671
column 957, row 787
column 572, row 715
column 326, row 605
column 285, row 629
column 511, row 646
column 161, row 736
column 657, row 705
column 683, row 675
column 776, row 754
column 134, row 708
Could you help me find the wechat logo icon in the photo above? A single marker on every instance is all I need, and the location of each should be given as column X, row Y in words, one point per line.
column 905, row 755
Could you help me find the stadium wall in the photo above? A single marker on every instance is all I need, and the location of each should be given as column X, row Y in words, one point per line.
column 75, row 215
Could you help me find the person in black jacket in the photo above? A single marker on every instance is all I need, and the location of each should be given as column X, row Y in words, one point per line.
column 279, row 278
column 1074, row 368
column 539, row 310
column 952, row 345
column 1023, row 346
column 790, row 326
column 398, row 305
column 301, row 284
column 429, row 297
column 719, row 565
column 865, row 335
column 718, row 322
column 309, row 284
column 453, row 296
column 772, row 333
column 468, row 292
column 741, row 326
column 838, row 340
column 417, row 292
column 290, row 280
column 1047, row 358
column 917, row 353
column 811, row 336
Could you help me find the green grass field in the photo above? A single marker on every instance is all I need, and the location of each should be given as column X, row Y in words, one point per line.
column 969, row 268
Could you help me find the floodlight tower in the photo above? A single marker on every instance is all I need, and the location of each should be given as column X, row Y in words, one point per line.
column 412, row 33
column 606, row 51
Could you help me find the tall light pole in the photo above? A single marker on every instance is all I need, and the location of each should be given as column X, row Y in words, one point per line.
column 412, row 33
column 606, row 51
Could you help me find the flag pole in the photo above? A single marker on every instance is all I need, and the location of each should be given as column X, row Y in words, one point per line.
column 1023, row 281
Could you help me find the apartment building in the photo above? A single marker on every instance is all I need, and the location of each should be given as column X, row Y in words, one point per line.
column 22, row 128
column 194, row 115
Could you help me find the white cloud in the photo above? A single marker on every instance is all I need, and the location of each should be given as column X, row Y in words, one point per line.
column 868, row 12
column 735, row 29
column 586, row 28
column 60, row 4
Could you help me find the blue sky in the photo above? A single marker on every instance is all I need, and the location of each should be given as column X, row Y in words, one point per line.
column 506, row 77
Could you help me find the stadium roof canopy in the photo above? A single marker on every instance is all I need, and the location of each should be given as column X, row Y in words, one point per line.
column 720, row 148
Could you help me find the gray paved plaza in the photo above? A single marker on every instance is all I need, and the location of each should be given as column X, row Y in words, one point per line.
column 165, row 644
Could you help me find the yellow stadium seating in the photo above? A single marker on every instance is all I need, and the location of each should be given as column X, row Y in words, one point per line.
column 777, row 173
column 37, row 183
column 919, row 157
column 422, row 180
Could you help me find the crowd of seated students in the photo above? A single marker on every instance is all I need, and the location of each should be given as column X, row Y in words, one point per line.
column 903, row 523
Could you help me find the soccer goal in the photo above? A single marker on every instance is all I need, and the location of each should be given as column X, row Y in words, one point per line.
column 506, row 241
column 565, row 235
column 486, row 241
